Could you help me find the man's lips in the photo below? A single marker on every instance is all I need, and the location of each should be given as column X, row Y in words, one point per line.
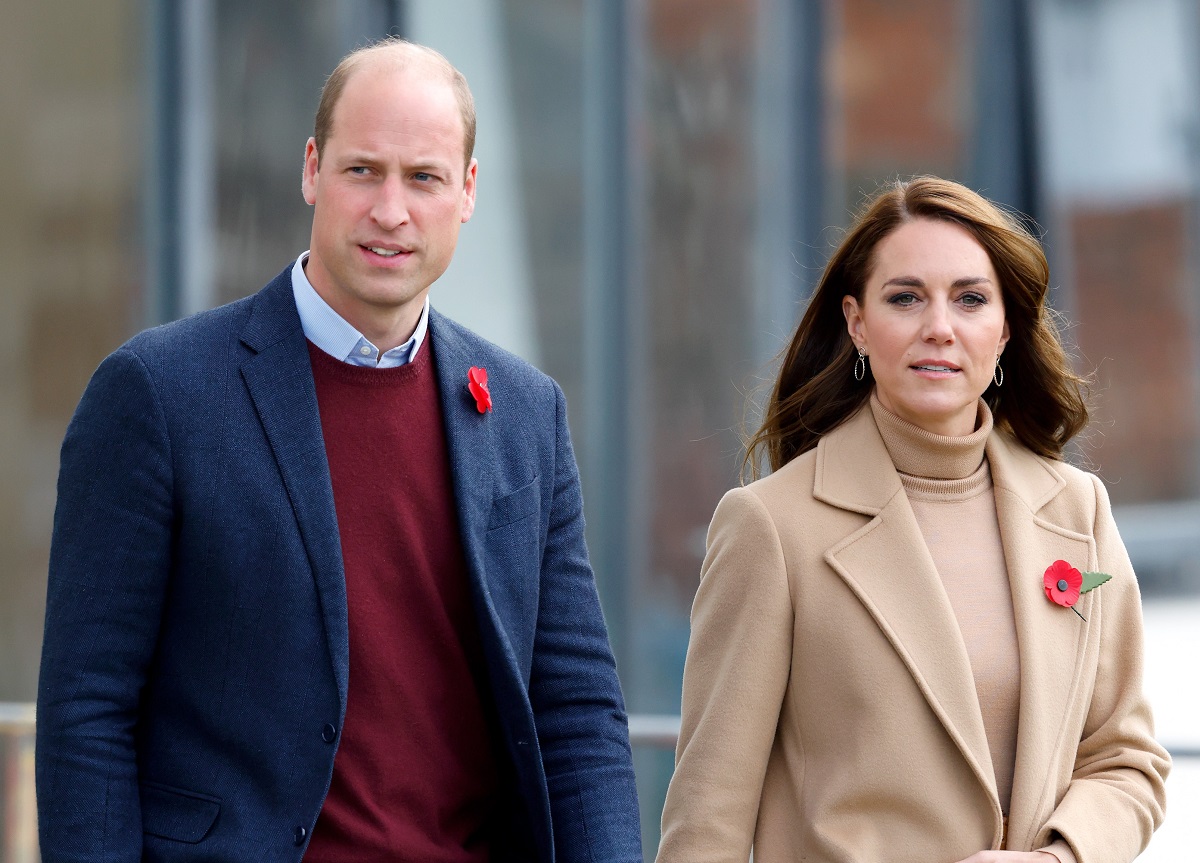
column 385, row 250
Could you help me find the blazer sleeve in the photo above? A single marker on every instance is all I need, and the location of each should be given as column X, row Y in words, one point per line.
column 583, row 732
column 1116, row 796
column 734, row 680
column 109, row 561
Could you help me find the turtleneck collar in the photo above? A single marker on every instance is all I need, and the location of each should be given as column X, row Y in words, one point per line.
column 919, row 453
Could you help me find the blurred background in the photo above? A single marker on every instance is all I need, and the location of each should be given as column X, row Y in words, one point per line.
column 659, row 184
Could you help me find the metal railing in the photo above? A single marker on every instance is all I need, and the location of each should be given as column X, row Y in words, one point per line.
column 18, row 808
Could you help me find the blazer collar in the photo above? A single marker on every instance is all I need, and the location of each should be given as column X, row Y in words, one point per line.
column 278, row 376
column 471, row 443
column 468, row 432
column 909, row 603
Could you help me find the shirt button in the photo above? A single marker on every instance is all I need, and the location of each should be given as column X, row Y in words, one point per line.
column 365, row 351
column 328, row 733
column 301, row 834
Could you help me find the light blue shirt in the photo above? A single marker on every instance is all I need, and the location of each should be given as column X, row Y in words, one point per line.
column 333, row 334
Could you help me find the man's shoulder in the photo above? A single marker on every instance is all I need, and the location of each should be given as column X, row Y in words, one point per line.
column 217, row 328
column 454, row 341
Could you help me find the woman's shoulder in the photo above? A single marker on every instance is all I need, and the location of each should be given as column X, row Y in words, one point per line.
column 790, row 483
column 1053, row 484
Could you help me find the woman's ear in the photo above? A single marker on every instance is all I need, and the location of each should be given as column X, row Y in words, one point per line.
column 854, row 320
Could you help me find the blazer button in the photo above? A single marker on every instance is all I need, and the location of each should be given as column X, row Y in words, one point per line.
column 301, row 834
column 328, row 733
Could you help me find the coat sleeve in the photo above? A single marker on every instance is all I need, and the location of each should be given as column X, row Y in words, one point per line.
column 578, row 708
column 1116, row 796
column 734, row 680
column 109, row 562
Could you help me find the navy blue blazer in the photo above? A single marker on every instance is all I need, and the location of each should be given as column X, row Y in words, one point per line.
column 196, row 644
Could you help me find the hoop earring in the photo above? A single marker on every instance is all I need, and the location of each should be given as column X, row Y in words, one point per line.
column 998, row 374
column 860, row 364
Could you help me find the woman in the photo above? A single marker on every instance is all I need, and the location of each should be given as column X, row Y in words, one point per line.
column 885, row 664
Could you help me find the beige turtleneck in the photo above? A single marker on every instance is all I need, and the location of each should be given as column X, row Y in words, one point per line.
column 949, row 486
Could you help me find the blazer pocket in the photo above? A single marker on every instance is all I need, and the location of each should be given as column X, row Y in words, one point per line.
column 515, row 505
column 173, row 813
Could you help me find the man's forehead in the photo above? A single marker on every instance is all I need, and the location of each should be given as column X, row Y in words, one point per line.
column 404, row 81
column 393, row 63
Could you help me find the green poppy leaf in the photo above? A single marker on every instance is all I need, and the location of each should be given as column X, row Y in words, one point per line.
column 1092, row 580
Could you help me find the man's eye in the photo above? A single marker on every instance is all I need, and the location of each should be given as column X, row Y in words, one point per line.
column 359, row 170
column 422, row 177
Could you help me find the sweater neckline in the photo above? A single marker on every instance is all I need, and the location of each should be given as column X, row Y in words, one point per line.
column 921, row 454
column 367, row 376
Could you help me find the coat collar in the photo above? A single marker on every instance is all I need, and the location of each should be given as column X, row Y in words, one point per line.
column 1050, row 638
column 908, row 602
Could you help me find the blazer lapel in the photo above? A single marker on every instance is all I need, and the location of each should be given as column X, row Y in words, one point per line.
column 1050, row 638
column 471, row 450
column 888, row 566
column 279, row 379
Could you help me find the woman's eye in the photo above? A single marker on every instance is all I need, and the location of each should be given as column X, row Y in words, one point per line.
column 905, row 299
column 973, row 299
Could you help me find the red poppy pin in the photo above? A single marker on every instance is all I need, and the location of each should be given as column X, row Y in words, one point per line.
column 477, row 384
column 1065, row 584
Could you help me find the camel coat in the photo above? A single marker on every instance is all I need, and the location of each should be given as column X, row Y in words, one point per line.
column 829, row 710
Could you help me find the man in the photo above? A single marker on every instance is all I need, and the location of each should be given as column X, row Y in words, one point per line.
column 318, row 584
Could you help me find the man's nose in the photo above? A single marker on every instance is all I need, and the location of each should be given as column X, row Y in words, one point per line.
column 391, row 206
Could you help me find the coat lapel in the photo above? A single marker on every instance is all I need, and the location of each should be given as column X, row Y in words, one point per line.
column 279, row 379
column 888, row 567
column 1050, row 638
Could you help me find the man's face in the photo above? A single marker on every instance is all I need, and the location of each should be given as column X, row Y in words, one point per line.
column 389, row 193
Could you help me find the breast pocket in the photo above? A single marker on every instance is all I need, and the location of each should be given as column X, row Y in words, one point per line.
column 173, row 813
column 515, row 506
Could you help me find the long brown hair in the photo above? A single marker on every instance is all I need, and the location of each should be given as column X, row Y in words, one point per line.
column 1041, row 403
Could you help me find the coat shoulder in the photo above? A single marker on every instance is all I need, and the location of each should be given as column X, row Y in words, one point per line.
column 471, row 348
column 209, row 330
column 783, row 499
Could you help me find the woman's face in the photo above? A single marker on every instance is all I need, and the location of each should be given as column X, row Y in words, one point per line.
column 931, row 320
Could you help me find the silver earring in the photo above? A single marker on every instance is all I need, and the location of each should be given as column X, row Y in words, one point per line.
column 860, row 364
column 998, row 374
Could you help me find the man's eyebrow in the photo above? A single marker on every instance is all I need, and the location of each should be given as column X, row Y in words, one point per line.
column 362, row 157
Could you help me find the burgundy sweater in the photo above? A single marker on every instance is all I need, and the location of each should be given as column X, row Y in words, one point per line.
column 415, row 777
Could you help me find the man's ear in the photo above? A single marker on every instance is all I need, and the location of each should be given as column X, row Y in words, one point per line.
column 469, row 190
column 308, row 184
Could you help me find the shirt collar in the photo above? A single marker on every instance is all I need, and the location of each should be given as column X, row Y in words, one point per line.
column 337, row 337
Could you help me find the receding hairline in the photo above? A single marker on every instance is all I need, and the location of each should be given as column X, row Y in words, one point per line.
column 396, row 54
column 399, row 54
